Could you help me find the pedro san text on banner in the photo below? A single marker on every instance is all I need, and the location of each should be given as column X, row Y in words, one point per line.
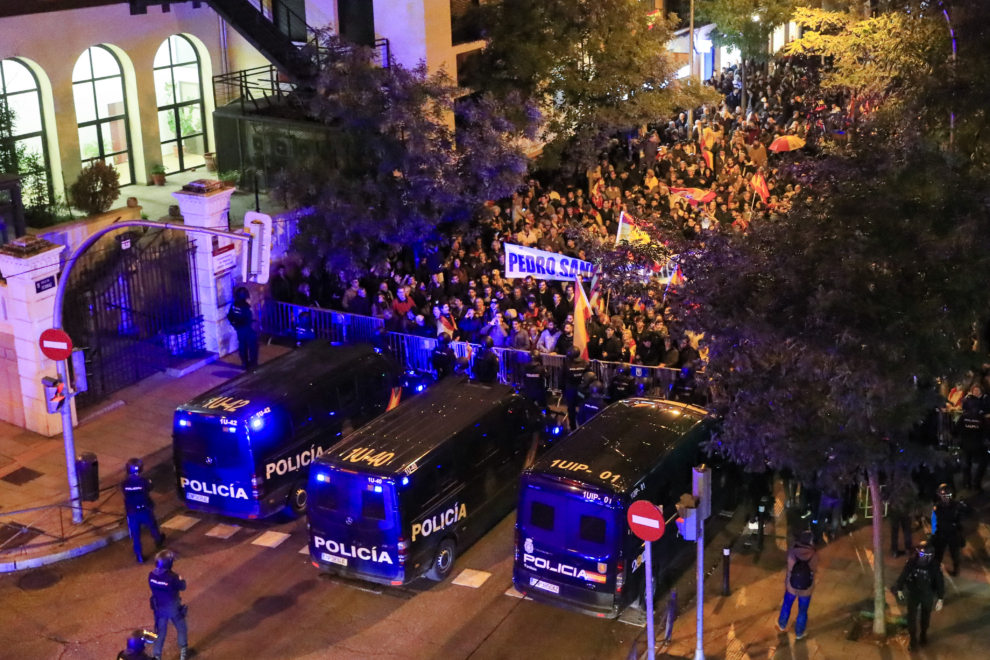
column 541, row 265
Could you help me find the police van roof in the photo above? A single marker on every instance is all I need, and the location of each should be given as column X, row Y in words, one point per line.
column 285, row 376
column 420, row 425
column 626, row 439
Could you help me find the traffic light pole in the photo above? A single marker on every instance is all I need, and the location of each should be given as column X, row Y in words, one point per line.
column 651, row 640
column 68, row 434
column 699, row 649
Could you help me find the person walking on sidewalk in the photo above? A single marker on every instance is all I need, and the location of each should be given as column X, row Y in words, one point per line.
column 139, row 507
column 922, row 584
column 799, row 582
column 241, row 318
column 167, row 603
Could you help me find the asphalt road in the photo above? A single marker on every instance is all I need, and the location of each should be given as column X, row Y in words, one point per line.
column 269, row 603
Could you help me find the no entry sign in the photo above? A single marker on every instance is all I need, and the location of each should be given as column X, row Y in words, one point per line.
column 646, row 520
column 55, row 344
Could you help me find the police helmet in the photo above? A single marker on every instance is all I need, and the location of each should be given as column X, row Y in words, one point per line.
column 573, row 353
column 622, row 371
column 445, row 338
column 588, row 378
column 462, row 363
column 165, row 559
column 136, row 641
column 241, row 293
column 945, row 491
column 489, row 343
column 534, row 356
column 597, row 388
column 135, row 466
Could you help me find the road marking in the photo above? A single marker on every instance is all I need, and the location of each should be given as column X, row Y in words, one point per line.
column 222, row 531
column 180, row 522
column 305, row 550
column 512, row 593
column 471, row 578
column 270, row 539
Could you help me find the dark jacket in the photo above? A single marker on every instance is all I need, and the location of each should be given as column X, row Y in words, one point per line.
column 165, row 587
column 137, row 493
column 924, row 584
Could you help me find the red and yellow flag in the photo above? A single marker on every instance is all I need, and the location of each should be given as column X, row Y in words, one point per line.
column 694, row 196
column 709, row 159
column 582, row 315
column 759, row 184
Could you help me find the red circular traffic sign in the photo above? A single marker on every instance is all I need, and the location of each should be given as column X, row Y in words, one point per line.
column 55, row 344
column 646, row 520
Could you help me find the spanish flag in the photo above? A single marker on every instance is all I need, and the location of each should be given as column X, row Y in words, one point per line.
column 582, row 314
column 394, row 399
column 694, row 196
column 678, row 277
column 707, row 138
column 709, row 159
column 760, row 186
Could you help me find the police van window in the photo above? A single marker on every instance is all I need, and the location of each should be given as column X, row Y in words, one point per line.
column 347, row 391
column 325, row 497
column 373, row 505
column 541, row 515
column 592, row 529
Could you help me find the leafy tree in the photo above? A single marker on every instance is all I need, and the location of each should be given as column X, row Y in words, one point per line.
column 403, row 170
column 594, row 68
column 746, row 26
column 821, row 326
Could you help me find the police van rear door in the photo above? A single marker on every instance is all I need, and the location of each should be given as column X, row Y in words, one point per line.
column 568, row 543
column 354, row 523
column 214, row 464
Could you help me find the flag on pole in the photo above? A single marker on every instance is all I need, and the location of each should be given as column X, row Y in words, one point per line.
column 677, row 278
column 582, row 315
column 760, row 186
column 598, row 193
column 597, row 302
column 709, row 159
column 707, row 138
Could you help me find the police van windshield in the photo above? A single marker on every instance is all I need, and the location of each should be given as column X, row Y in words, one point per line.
column 209, row 440
column 579, row 521
column 368, row 501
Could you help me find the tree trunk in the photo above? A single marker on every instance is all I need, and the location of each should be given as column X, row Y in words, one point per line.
column 879, row 587
column 742, row 88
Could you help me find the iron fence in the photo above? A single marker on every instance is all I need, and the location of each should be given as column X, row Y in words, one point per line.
column 416, row 352
column 51, row 524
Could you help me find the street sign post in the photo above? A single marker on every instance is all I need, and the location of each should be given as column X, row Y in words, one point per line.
column 646, row 522
column 55, row 344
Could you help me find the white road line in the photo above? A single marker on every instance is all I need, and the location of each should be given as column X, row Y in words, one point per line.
column 471, row 578
column 270, row 539
column 223, row 531
column 180, row 522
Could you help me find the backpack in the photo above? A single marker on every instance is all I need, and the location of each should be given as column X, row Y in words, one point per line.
column 802, row 577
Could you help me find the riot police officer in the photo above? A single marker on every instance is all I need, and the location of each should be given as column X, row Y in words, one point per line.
column 535, row 380
column 167, row 604
column 136, row 642
column 443, row 357
column 574, row 369
column 921, row 583
column 139, row 507
column 241, row 319
column 622, row 386
column 486, row 363
column 947, row 528
column 593, row 404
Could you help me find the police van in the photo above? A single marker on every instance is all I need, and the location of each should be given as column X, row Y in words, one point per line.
column 404, row 495
column 573, row 544
column 244, row 449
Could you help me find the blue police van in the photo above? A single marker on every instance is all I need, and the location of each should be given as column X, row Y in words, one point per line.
column 402, row 496
column 244, row 449
column 574, row 548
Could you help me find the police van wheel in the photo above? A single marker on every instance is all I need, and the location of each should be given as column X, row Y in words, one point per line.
column 298, row 500
column 443, row 561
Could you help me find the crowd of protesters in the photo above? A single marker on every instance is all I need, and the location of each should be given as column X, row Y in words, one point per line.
column 459, row 289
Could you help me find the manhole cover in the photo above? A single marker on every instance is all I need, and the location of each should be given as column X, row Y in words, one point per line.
column 38, row 580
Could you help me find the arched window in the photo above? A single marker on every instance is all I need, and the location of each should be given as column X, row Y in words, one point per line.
column 181, row 117
column 23, row 146
column 101, row 111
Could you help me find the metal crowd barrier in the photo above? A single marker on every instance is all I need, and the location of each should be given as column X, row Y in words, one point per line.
column 416, row 352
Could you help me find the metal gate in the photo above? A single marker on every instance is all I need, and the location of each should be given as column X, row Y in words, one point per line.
column 132, row 307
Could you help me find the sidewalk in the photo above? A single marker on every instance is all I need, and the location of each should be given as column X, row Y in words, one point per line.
column 741, row 626
column 135, row 422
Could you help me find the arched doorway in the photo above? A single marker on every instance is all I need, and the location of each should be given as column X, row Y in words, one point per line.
column 181, row 112
column 101, row 111
column 24, row 144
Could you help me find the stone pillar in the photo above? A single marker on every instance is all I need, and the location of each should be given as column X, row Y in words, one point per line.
column 214, row 291
column 30, row 266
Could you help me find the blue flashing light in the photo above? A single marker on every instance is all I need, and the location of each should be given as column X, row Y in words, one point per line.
column 257, row 423
column 405, row 481
column 185, row 422
column 556, row 430
column 420, row 388
column 378, row 489
column 322, row 477
column 231, row 429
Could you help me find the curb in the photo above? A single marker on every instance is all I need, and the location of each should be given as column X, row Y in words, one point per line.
column 37, row 562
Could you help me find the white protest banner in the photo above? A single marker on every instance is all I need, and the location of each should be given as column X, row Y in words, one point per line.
column 541, row 265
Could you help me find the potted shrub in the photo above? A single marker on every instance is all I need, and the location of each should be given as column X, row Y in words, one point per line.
column 158, row 175
column 97, row 188
column 229, row 178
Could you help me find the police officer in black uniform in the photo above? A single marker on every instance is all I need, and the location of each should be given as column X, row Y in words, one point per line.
column 947, row 528
column 241, row 318
column 921, row 583
column 139, row 507
column 535, row 380
column 167, row 604
column 486, row 363
column 593, row 404
column 574, row 368
column 622, row 386
column 443, row 357
column 136, row 642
